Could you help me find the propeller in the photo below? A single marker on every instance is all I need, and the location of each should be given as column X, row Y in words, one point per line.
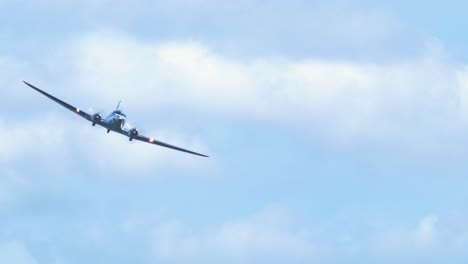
column 92, row 112
column 95, row 115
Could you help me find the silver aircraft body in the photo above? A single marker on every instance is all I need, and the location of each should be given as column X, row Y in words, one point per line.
column 116, row 122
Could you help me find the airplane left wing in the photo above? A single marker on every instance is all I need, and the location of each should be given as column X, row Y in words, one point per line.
column 162, row 144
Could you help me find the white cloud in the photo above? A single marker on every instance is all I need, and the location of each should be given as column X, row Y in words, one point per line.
column 32, row 139
column 346, row 101
column 415, row 241
column 271, row 233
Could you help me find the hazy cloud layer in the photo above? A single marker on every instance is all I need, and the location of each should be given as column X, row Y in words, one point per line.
column 268, row 234
column 297, row 102
column 345, row 100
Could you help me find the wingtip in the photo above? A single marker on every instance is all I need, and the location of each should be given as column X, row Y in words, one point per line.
column 203, row 155
column 32, row 86
column 198, row 154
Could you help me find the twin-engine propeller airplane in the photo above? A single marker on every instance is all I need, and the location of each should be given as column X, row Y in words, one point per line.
column 116, row 122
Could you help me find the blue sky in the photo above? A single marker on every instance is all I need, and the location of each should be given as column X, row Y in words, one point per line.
column 336, row 130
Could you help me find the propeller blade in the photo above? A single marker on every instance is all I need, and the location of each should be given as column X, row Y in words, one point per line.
column 92, row 111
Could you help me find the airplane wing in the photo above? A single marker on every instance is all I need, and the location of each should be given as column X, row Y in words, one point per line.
column 66, row 105
column 162, row 144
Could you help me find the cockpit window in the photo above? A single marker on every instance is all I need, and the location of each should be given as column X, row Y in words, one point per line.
column 118, row 112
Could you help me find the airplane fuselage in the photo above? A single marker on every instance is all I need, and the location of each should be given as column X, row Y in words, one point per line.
column 116, row 120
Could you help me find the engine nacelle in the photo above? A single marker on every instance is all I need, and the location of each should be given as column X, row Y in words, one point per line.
column 133, row 133
column 96, row 118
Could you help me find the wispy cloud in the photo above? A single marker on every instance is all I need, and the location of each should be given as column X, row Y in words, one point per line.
column 434, row 237
column 270, row 233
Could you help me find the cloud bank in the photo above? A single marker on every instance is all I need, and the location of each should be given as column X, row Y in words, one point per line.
column 413, row 101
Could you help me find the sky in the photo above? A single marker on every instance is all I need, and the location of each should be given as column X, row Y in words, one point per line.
column 336, row 130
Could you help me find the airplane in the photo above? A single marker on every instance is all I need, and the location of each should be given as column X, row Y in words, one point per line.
column 115, row 122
